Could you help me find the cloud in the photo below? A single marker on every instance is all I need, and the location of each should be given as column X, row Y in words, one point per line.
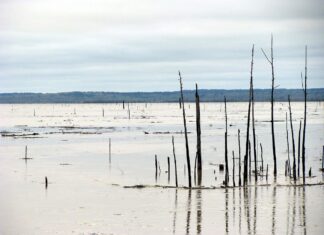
column 107, row 44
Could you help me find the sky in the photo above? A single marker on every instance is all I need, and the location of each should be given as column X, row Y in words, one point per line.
column 128, row 45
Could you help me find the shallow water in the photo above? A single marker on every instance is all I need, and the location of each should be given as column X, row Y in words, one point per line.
column 85, row 193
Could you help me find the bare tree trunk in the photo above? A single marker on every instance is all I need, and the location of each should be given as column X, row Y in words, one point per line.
column 293, row 140
column 198, row 129
column 248, row 126
column 261, row 157
column 300, row 126
column 253, row 131
column 233, row 169
column 226, row 151
column 239, row 144
column 168, row 169
column 109, row 151
column 272, row 105
column 287, row 137
column 305, row 114
column 175, row 163
column 186, row 134
column 156, row 168
column 250, row 160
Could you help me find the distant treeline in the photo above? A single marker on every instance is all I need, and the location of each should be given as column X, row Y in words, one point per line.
column 214, row 95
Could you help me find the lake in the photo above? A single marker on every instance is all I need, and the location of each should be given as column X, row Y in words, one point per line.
column 69, row 144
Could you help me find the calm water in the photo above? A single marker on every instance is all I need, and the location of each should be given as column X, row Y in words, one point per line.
column 85, row 193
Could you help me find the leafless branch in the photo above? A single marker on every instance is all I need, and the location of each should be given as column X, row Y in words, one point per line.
column 265, row 55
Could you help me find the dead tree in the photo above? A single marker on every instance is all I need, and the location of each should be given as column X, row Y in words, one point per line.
column 198, row 129
column 248, row 126
column 293, row 140
column 156, row 168
column 300, row 126
column 239, row 145
column 109, row 151
column 186, row 133
column 168, row 169
column 272, row 105
column 226, row 151
column 175, row 163
column 287, row 137
column 250, row 160
column 305, row 112
column 233, row 169
column 261, row 157
column 253, row 132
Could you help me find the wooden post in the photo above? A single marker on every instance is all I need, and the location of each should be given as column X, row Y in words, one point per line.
column 239, row 144
column 198, row 129
column 267, row 173
column 226, row 151
column 185, row 130
column 156, row 168
column 175, row 163
column 168, row 169
column 272, row 105
column 261, row 157
column 46, row 182
column 248, row 125
column 233, row 169
column 26, row 152
column 293, row 141
column 323, row 159
column 123, row 104
column 180, row 103
column 305, row 114
column 103, row 112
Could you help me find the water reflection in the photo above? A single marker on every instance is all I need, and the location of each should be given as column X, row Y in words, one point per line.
column 247, row 210
column 188, row 212
column 175, row 211
column 199, row 211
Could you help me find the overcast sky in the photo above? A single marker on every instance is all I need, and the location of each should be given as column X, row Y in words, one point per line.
column 139, row 45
